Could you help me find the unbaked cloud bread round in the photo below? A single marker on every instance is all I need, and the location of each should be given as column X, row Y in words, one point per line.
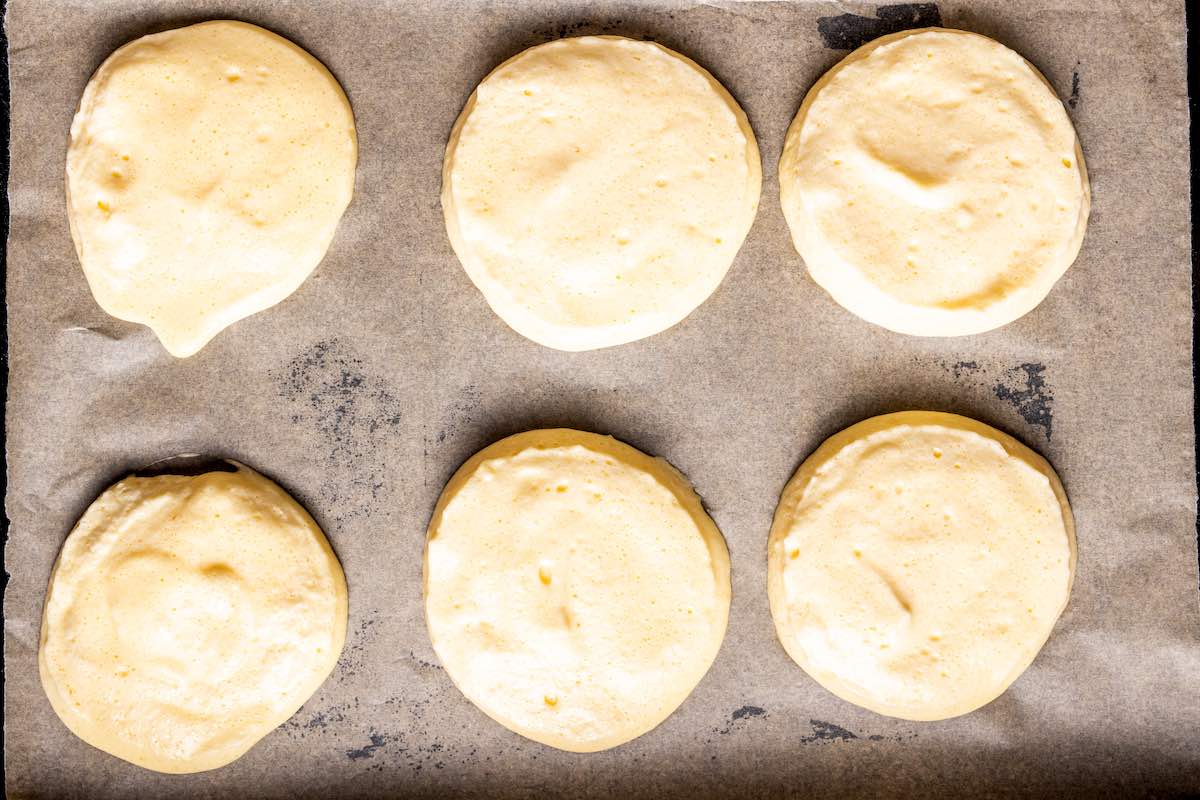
column 575, row 589
column 933, row 183
column 188, row 617
column 207, row 171
column 918, row 562
column 597, row 189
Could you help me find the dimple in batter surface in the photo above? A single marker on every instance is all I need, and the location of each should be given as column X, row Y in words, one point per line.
column 188, row 617
column 934, row 184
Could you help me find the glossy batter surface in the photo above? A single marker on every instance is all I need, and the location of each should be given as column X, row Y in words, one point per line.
column 575, row 589
column 934, row 184
column 188, row 617
column 207, row 170
column 596, row 189
column 918, row 562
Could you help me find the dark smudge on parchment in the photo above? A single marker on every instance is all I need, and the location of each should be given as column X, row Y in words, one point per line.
column 851, row 31
column 356, row 415
column 740, row 715
column 1023, row 388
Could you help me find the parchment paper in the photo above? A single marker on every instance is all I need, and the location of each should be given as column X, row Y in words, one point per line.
column 365, row 390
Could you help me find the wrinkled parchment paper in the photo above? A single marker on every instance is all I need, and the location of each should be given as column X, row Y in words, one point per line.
column 364, row 391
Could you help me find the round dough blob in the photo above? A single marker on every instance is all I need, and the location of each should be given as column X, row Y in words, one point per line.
column 934, row 185
column 575, row 589
column 188, row 617
column 597, row 189
column 918, row 562
column 207, row 171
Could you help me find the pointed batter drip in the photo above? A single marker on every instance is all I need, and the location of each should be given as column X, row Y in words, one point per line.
column 207, row 171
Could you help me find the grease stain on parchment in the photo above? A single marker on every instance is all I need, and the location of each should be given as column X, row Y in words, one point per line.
column 822, row 732
column 1023, row 388
column 579, row 28
column 423, row 663
column 318, row 722
column 357, row 416
column 828, row 732
column 961, row 368
column 825, row 732
column 395, row 748
column 851, row 31
column 740, row 715
column 378, row 740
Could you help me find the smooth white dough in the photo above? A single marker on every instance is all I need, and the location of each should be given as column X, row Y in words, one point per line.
column 918, row 562
column 188, row 617
column 596, row 189
column 206, row 174
column 575, row 589
column 934, row 184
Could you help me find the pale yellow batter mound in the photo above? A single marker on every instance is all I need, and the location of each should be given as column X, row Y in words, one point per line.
column 933, row 183
column 597, row 189
column 187, row 617
column 918, row 562
column 207, row 171
column 575, row 589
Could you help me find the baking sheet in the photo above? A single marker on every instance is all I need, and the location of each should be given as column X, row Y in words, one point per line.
column 365, row 390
